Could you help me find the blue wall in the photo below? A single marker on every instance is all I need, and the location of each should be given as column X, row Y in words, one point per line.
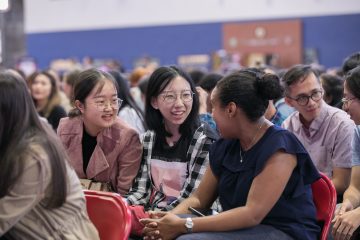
column 334, row 38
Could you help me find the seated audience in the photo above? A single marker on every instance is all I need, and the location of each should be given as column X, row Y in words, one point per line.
column 261, row 173
column 101, row 147
column 40, row 194
column 45, row 94
column 347, row 217
column 325, row 131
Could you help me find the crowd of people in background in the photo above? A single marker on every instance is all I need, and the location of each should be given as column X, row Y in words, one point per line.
column 246, row 144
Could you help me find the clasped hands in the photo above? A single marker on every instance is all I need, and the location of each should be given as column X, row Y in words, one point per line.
column 346, row 221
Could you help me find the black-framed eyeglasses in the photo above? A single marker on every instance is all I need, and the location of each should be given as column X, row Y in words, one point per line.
column 303, row 100
column 101, row 104
column 347, row 101
column 170, row 97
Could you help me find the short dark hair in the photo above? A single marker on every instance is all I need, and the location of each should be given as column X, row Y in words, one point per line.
column 351, row 62
column 353, row 81
column 333, row 86
column 250, row 90
column 86, row 82
column 208, row 82
column 297, row 73
column 20, row 129
column 158, row 81
column 196, row 75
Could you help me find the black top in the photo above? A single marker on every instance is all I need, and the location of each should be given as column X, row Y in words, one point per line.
column 294, row 213
column 176, row 153
column 56, row 114
column 88, row 146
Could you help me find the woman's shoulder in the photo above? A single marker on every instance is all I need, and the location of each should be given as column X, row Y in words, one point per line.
column 69, row 125
column 277, row 138
column 37, row 160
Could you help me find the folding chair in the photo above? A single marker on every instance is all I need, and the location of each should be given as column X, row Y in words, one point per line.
column 109, row 213
column 324, row 196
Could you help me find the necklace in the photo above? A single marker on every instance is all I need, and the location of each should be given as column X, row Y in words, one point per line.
column 252, row 141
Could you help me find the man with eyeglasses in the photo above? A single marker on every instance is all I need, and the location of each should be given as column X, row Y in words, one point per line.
column 325, row 131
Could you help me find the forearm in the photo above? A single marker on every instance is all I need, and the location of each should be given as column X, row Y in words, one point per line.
column 341, row 179
column 353, row 196
column 339, row 186
column 182, row 208
column 233, row 219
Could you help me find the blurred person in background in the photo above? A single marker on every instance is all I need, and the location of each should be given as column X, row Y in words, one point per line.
column 45, row 94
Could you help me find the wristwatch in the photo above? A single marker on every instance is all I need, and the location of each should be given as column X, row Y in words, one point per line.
column 189, row 225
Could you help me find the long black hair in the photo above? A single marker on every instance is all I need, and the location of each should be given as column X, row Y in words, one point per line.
column 21, row 130
column 158, row 81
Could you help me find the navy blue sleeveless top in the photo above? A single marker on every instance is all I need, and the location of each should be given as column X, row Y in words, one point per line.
column 294, row 213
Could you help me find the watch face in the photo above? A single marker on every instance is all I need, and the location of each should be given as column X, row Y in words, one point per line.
column 189, row 224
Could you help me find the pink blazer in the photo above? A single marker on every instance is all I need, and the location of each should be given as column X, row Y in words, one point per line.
column 116, row 157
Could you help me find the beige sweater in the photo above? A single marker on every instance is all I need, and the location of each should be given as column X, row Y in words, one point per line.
column 22, row 211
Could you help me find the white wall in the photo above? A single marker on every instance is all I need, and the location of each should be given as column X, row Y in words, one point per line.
column 69, row 15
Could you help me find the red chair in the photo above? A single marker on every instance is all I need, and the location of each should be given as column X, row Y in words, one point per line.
column 109, row 213
column 324, row 195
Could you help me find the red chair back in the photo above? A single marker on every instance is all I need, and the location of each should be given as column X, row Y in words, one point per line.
column 109, row 213
column 324, row 195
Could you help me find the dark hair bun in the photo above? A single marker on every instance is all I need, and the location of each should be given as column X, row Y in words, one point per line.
column 268, row 86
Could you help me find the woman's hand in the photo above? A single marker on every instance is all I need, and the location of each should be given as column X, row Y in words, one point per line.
column 169, row 226
column 345, row 207
column 345, row 224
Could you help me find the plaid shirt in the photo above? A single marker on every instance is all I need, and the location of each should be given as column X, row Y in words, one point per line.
column 144, row 192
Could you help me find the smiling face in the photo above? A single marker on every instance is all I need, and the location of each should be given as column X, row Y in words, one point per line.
column 306, row 87
column 174, row 103
column 352, row 106
column 41, row 88
column 97, row 111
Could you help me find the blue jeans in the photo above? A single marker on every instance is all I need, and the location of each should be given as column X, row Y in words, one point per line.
column 259, row 232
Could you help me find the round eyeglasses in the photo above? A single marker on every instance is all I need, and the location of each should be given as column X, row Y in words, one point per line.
column 101, row 104
column 170, row 97
column 303, row 100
